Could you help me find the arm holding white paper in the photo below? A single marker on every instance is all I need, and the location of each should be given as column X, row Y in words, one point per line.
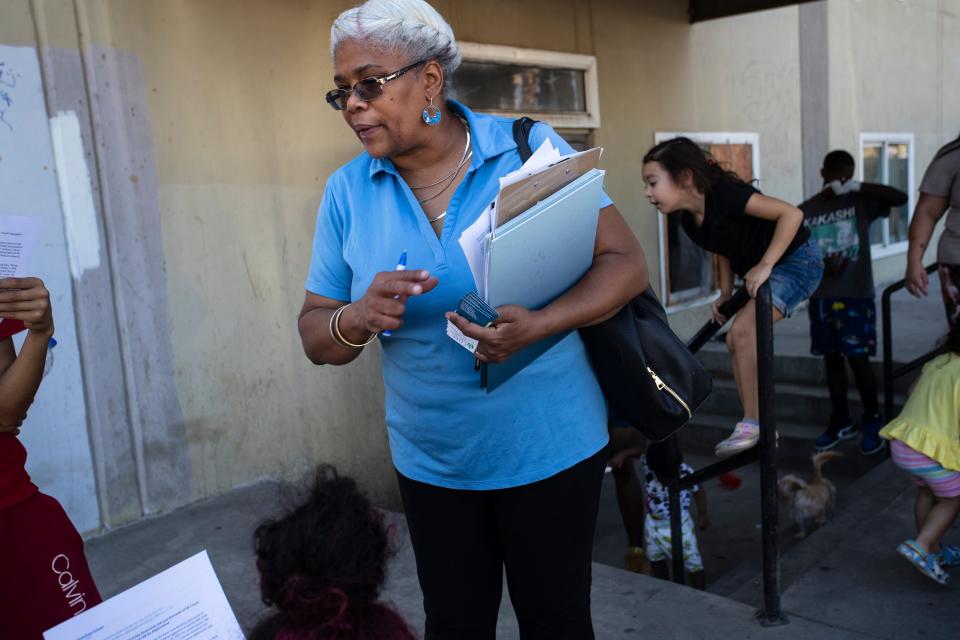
column 617, row 274
column 27, row 300
column 186, row 601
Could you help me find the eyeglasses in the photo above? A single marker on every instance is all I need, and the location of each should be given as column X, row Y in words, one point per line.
column 367, row 89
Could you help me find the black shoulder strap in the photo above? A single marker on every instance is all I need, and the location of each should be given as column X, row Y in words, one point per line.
column 521, row 135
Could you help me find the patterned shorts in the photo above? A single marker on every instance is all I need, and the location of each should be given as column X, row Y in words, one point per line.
column 656, row 536
column 847, row 326
column 925, row 471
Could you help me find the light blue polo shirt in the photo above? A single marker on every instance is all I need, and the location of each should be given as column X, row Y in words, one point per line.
column 443, row 429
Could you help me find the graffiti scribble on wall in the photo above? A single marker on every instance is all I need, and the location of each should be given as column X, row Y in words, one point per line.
column 8, row 82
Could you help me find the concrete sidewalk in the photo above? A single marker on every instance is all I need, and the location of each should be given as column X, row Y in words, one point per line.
column 848, row 575
column 624, row 604
column 844, row 581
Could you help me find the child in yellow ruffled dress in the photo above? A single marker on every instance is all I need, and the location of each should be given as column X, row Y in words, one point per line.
column 925, row 442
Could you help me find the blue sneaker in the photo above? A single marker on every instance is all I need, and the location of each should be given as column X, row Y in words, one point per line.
column 872, row 443
column 838, row 430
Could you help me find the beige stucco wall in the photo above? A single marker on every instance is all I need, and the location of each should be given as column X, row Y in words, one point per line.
column 876, row 87
column 16, row 27
column 240, row 180
column 745, row 77
column 746, row 72
column 242, row 143
column 643, row 63
column 238, row 142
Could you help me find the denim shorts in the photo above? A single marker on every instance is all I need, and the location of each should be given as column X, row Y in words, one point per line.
column 796, row 277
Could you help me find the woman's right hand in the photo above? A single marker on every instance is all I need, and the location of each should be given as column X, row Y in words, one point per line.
column 718, row 317
column 27, row 300
column 918, row 284
column 383, row 305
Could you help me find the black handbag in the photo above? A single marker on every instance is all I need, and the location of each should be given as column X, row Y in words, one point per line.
column 648, row 376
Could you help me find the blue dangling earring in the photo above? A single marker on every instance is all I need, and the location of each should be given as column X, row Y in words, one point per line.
column 431, row 119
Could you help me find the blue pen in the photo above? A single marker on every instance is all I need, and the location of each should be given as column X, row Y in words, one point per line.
column 401, row 266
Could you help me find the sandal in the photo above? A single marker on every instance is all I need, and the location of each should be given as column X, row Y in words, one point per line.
column 949, row 555
column 635, row 560
column 926, row 563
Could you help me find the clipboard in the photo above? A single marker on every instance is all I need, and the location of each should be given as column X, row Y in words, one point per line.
column 520, row 196
column 537, row 257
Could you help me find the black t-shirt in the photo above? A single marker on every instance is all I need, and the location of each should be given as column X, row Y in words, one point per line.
column 841, row 227
column 728, row 231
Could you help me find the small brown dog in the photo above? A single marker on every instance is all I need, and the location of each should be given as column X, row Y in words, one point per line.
column 810, row 501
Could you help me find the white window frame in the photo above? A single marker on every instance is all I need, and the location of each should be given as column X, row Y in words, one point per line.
column 704, row 137
column 886, row 248
column 476, row 52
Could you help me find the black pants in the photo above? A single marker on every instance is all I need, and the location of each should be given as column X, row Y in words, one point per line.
column 541, row 532
column 837, row 383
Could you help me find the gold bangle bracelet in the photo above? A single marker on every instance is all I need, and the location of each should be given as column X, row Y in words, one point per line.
column 333, row 316
column 338, row 336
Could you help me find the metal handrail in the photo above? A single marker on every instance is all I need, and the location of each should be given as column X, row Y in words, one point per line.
column 765, row 452
column 739, row 298
column 889, row 373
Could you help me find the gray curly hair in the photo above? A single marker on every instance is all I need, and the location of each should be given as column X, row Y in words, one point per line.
column 411, row 27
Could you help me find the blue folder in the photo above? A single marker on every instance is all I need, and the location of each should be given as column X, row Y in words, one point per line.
column 537, row 256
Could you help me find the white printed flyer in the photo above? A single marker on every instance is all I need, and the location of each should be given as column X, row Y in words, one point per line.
column 185, row 602
column 18, row 239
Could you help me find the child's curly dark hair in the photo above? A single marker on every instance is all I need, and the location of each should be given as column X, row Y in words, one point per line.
column 322, row 566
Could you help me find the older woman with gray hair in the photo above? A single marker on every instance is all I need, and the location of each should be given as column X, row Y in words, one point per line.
column 488, row 481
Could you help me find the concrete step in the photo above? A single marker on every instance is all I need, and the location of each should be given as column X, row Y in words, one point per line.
column 798, row 369
column 794, row 444
column 795, row 441
column 795, row 403
column 861, row 502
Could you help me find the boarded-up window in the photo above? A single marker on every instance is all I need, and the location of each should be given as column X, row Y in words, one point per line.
column 490, row 86
column 555, row 87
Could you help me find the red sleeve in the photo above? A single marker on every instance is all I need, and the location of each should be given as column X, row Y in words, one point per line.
column 9, row 328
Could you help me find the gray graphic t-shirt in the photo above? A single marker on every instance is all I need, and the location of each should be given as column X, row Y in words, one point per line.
column 841, row 227
column 942, row 179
